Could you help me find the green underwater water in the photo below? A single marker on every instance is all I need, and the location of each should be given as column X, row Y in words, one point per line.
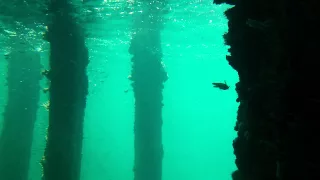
column 198, row 120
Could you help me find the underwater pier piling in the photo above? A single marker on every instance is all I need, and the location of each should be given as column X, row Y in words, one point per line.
column 148, row 76
column 68, row 90
column 23, row 81
column 273, row 47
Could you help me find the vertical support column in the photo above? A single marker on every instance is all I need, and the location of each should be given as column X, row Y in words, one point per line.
column 19, row 114
column 68, row 91
column 147, row 77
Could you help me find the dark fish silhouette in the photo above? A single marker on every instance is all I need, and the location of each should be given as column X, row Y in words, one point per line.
column 222, row 86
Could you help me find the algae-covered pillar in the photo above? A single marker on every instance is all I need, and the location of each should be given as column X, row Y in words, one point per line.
column 20, row 114
column 270, row 44
column 147, row 77
column 68, row 91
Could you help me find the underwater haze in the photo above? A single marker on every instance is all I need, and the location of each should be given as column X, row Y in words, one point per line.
column 198, row 119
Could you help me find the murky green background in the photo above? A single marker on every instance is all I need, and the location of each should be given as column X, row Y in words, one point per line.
column 198, row 119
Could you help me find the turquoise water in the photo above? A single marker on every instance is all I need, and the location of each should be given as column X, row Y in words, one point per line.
column 198, row 120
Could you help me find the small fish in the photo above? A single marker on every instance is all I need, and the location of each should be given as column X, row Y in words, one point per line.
column 260, row 25
column 222, row 86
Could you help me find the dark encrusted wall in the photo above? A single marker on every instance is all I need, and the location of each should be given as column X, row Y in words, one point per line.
column 273, row 48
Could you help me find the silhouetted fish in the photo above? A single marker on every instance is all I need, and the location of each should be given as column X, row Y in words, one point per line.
column 222, row 86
